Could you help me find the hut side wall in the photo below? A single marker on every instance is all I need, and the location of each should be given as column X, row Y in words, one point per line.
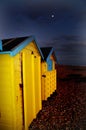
column 48, row 78
column 6, row 93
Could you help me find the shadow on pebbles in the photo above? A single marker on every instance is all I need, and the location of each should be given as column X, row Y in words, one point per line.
column 64, row 110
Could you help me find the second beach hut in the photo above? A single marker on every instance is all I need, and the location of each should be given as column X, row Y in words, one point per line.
column 48, row 72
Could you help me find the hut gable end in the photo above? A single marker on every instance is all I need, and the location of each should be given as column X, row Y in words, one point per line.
column 49, row 57
column 15, row 45
column 32, row 48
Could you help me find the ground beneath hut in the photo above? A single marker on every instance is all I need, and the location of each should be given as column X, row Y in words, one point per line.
column 66, row 108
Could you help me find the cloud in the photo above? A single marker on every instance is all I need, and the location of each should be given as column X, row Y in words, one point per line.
column 66, row 39
column 72, row 46
column 70, row 37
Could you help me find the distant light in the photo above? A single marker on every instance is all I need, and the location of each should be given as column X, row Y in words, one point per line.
column 52, row 16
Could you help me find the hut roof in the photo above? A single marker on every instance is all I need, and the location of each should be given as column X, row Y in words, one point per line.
column 13, row 46
column 47, row 52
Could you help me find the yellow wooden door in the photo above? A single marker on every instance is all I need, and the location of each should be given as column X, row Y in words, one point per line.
column 29, row 92
column 18, row 91
column 37, row 87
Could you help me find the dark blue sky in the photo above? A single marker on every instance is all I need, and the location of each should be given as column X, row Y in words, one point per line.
column 57, row 23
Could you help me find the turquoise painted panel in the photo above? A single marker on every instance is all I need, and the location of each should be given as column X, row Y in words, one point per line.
column 48, row 58
column 0, row 45
column 50, row 65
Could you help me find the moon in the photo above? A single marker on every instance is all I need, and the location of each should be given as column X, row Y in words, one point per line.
column 52, row 16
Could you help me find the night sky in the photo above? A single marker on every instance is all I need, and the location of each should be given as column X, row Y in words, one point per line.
column 57, row 23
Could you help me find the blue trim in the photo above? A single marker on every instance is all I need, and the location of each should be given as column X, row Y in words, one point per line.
column 0, row 45
column 18, row 48
column 49, row 54
column 50, row 65
column 5, row 52
column 39, row 48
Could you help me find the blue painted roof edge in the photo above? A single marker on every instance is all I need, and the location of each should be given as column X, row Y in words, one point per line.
column 21, row 46
column 39, row 48
column 5, row 52
column 18, row 48
column 50, row 54
column 0, row 45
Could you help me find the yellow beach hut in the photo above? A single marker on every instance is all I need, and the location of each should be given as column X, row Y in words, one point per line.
column 48, row 72
column 20, row 82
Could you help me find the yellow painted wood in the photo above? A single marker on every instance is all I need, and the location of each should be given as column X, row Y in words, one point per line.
column 42, row 88
column 18, row 92
column 29, row 93
column 37, row 68
column 6, row 95
column 32, row 48
column 48, row 84
column 43, row 67
column 48, row 78
column 43, row 73
column 33, row 81
column 11, row 106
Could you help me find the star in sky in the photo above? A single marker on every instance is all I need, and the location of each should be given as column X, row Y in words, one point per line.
column 52, row 15
column 52, row 22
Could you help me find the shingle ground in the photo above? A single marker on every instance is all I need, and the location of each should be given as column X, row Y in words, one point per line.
column 65, row 109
